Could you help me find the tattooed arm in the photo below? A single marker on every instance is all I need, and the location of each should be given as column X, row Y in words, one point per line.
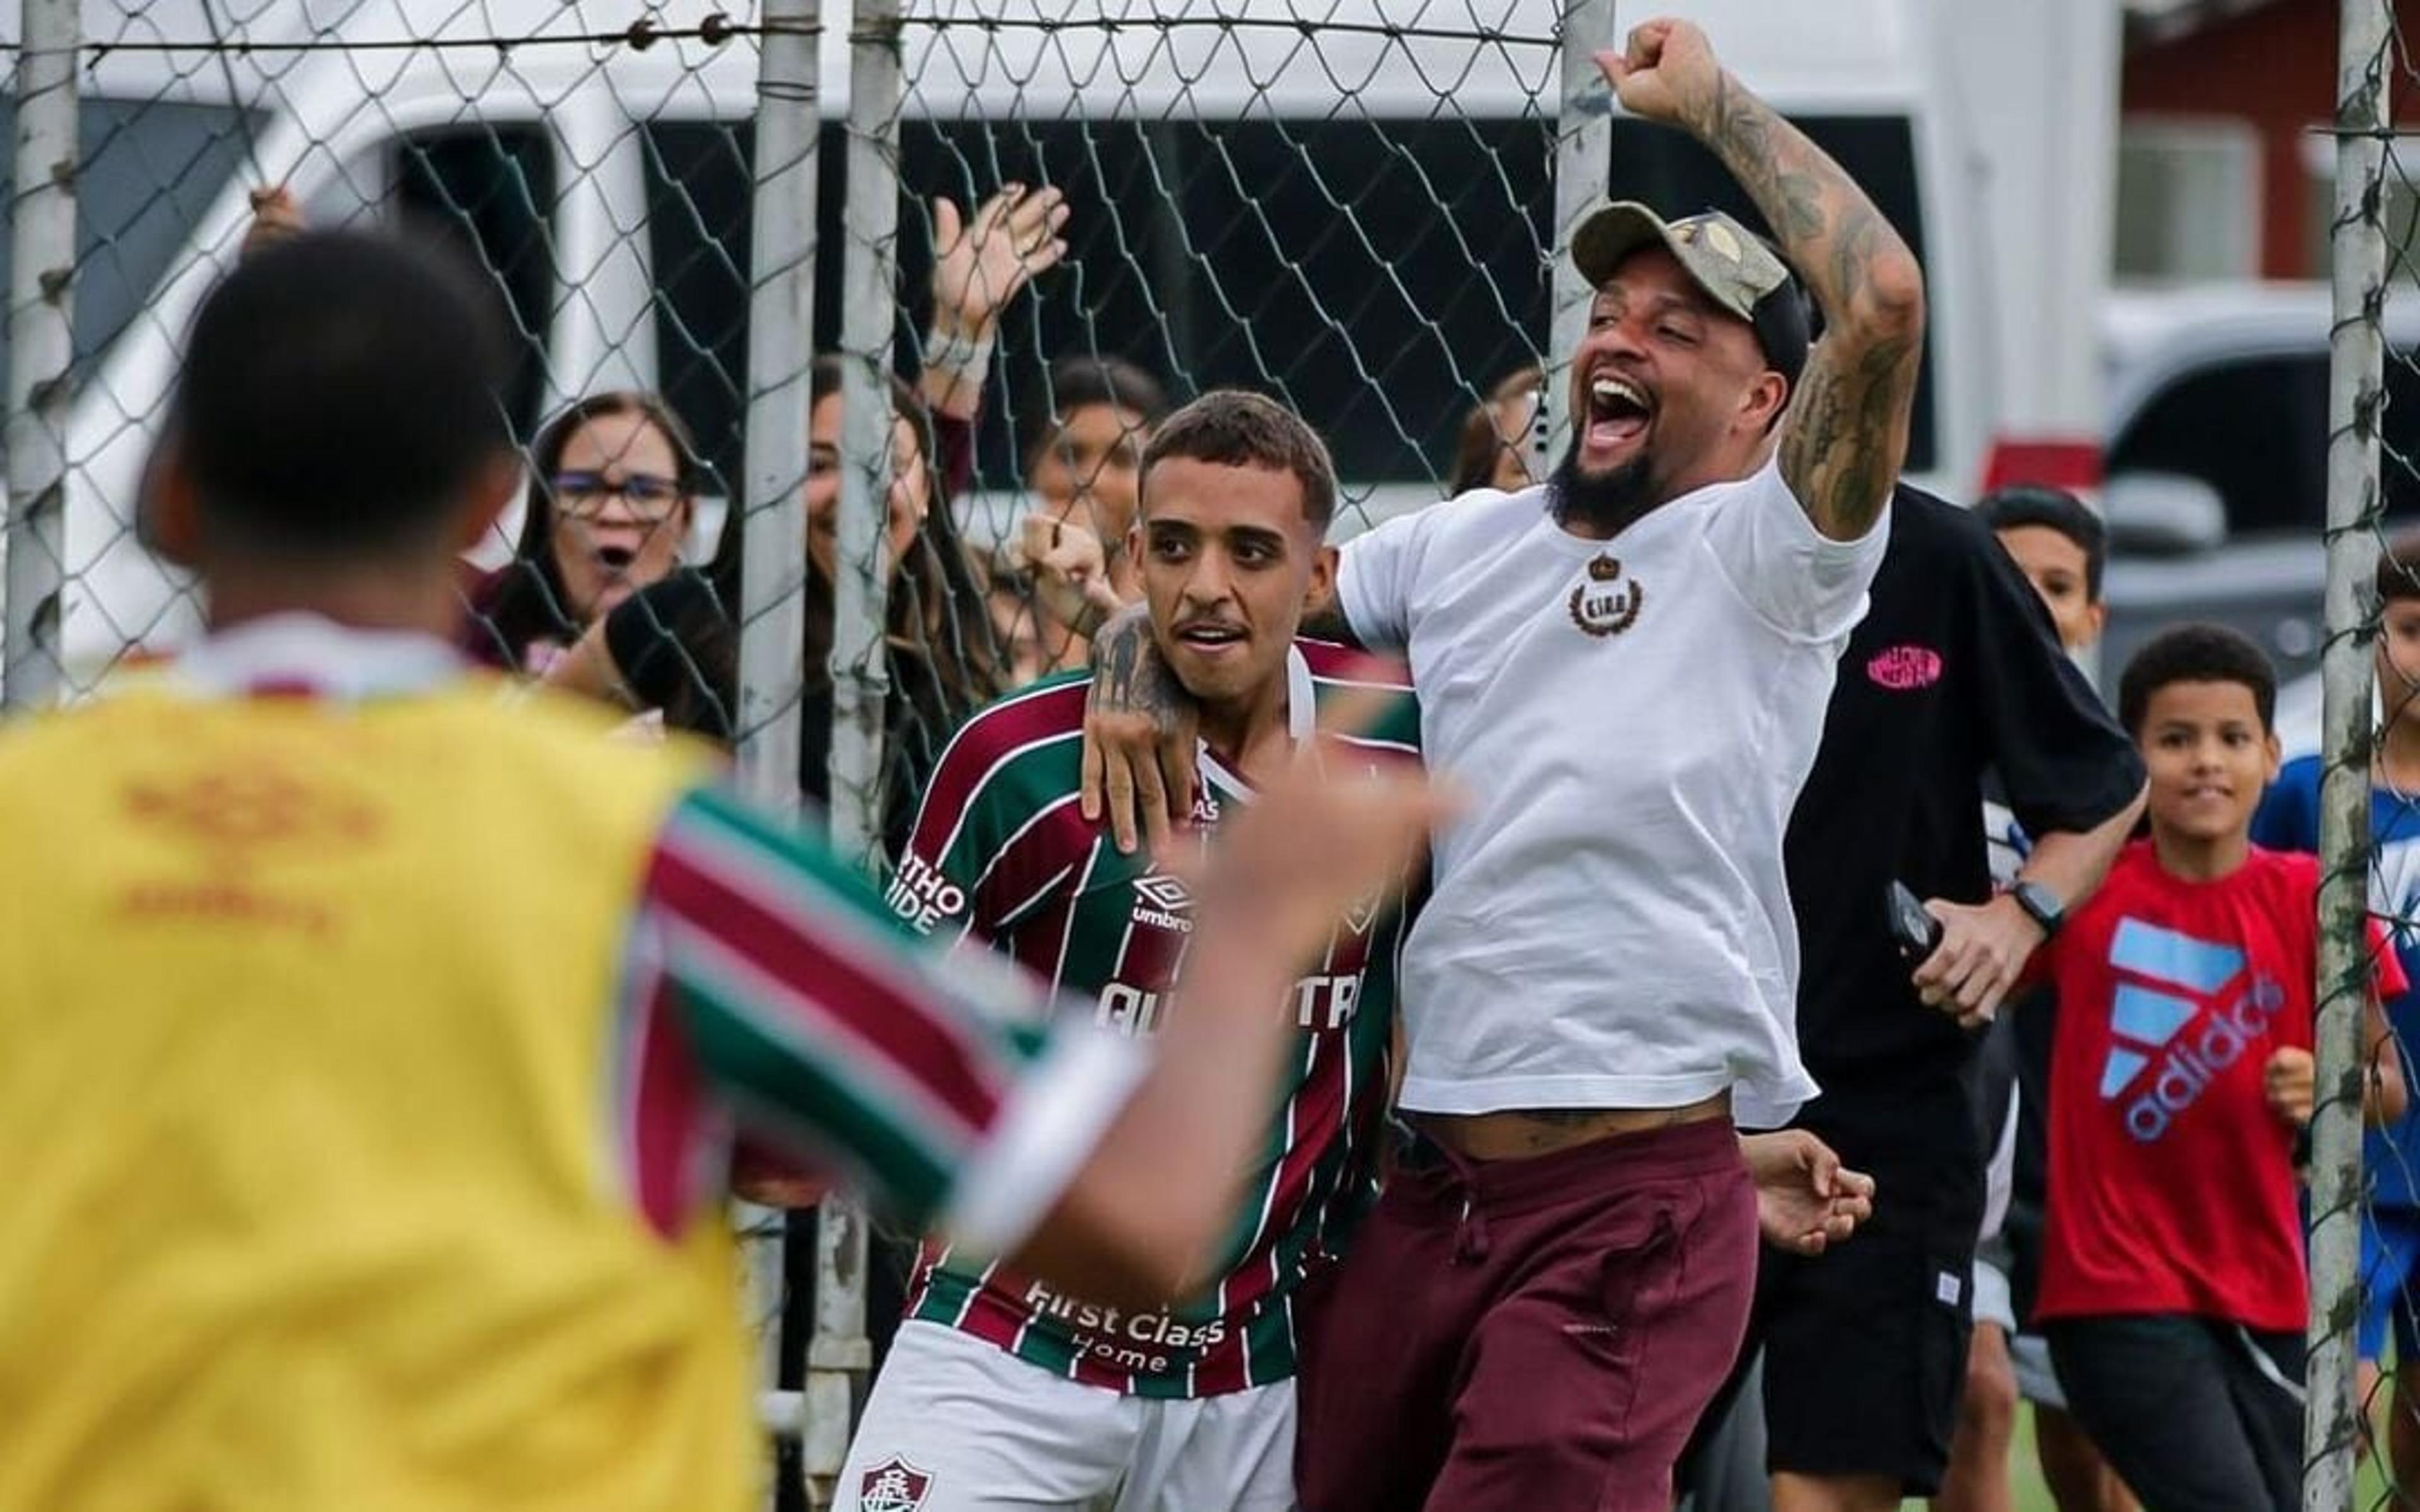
column 1846, row 435
column 1140, row 727
column 1140, row 724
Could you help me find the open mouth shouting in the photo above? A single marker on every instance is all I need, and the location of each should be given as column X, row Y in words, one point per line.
column 1619, row 413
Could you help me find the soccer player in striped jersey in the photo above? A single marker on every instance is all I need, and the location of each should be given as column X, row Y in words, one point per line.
column 370, row 1045
column 1001, row 1391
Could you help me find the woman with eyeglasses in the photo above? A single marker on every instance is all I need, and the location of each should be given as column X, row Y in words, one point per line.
column 613, row 489
column 675, row 645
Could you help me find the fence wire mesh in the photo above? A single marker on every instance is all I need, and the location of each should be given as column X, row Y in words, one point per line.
column 1031, row 226
column 2362, row 1416
column 1050, row 220
column 1032, row 230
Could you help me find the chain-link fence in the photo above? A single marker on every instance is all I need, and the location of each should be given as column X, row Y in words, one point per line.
column 835, row 320
column 2362, row 1432
column 816, row 305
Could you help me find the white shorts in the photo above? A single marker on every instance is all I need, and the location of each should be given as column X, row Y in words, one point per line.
column 1994, row 1304
column 956, row 1424
column 2037, row 1381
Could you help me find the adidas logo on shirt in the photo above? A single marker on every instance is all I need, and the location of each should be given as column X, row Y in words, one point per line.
column 2181, row 1021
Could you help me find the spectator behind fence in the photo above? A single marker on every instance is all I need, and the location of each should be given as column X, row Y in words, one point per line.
column 275, row 219
column 2290, row 819
column 333, row 1183
column 979, row 266
column 2174, row 1288
column 1500, row 438
column 612, row 490
column 1083, row 460
column 675, row 645
column 677, row 649
column 613, row 482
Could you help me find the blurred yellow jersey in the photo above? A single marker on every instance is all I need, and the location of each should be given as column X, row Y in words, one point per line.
column 307, row 1035
column 371, row 1057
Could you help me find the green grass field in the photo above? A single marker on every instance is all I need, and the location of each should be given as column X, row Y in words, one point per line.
column 2030, row 1495
column 2025, row 1471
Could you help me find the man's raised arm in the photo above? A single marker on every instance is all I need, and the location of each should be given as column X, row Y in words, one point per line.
column 1846, row 435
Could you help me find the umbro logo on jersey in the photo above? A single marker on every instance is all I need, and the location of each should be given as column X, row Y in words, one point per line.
column 1164, row 892
column 2186, row 1017
column 1162, row 903
column 894, row 1486
column 1363, row 911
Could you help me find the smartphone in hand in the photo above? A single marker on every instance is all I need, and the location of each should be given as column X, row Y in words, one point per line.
column 1916, row 931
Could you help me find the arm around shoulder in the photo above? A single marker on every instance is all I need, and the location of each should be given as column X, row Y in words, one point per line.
column 1377, row 573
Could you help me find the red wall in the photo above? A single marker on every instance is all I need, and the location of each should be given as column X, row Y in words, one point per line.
column 2276, row 67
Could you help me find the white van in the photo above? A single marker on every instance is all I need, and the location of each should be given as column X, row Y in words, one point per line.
column 1352, row 217
column 2217, row 458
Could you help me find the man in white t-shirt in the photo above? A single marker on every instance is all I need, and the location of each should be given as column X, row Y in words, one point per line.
column 1626, row 671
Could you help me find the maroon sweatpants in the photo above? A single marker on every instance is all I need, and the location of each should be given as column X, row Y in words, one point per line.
column 1529, row 1335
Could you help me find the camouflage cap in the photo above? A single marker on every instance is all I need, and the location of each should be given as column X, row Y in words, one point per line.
column 1729, row 262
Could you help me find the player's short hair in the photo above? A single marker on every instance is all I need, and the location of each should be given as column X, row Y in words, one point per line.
column 339, row 391
column 2196, row 654
column 1238, row 428
column 2399, row 568
column 2053, row 509
column 1073, row 383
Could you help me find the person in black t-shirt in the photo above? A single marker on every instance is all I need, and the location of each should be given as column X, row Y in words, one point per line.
column 2062, row 547
column 1955, row 673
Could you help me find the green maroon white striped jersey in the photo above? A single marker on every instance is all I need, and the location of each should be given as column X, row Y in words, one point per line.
column 1002, row 854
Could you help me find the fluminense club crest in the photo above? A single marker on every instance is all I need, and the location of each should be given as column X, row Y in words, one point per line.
column 894, row 1485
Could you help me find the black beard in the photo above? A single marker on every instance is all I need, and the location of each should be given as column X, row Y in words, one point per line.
column 1606, row 501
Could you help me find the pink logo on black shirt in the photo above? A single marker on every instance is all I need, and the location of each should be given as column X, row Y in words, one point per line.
column 1905, row 669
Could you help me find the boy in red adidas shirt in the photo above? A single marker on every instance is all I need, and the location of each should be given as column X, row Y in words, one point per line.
column 2174, row 1293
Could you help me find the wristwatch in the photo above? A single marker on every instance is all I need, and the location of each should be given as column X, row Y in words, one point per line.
column 2040, row 906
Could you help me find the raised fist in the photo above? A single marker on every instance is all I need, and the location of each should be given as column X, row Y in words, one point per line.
column 1670, row 75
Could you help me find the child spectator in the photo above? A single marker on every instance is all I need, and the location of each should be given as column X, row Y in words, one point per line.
column 2290, row 819
column 2174, row 1291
